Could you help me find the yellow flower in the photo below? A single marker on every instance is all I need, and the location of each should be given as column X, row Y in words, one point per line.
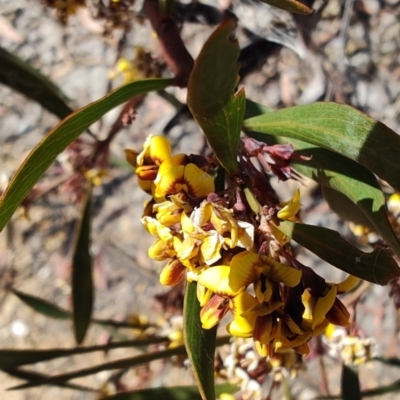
column 169, row 212
column 156, row 149
column 216, row 279
column 324, row 307
column 189, row 179
column 248, row 267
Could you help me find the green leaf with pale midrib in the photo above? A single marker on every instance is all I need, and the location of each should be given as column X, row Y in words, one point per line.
column 339, row 128
column 44, row 154
column 376, row 267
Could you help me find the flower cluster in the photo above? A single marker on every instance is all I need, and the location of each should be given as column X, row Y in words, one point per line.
column 229, row 242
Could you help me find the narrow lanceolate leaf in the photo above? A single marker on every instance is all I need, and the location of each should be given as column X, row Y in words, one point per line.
column 210, row 94
column 293, row 6
column 355, row 181
column 339, row 128
column 200, row 344
column 82, row 279
column 395, row 362
column 376, row 267
column 379, row 391
column 350, row 383
column 43, row 155
column 171, row 393
column 41, row 306
column 20, row 76
column 33, row 376
column 118, row 364
column 51, row 310
column 16, row 358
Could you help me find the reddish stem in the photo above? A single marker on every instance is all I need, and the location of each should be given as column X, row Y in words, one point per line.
column 174, row 51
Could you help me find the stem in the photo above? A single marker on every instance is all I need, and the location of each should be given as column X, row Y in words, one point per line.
column 175, row 53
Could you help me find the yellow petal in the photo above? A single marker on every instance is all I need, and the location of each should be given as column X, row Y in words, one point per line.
column 187, row 224
column 263, row 329
column 263, row 350
column 147, row 172
column 199, row 182
column 202, row 214
column 169, row 181
column 338, row 314
column 243, row 269
column 323, row 305
column 290, row 208
column 216, row 279
column 160, row 149
column 146, row 186
column 159, row 251
column 349, row 283
column 130, row 156
column 278, row 272
column 211, row 247
column 263, row 309
column 172, row 273
column 203, row 294
column 263, row 290
column 284, row 343
column 302, row 349
column 213, row 311
column 245, row 235
column 186, row 249
column 279, row 236
column 177, row 159
column 243, row 322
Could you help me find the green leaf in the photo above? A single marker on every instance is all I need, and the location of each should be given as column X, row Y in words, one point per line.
column 350, row 383
column 290, row 5
column 171, row 393
column 376, row 267
column 379, row 391
column 20, row 76
column 82, row 279
column 118, row 364
column 345, row 208
column 210, row 94
column 16, row 358
column 339, row 128
column 200, row 344
column 43, row 155
column 254, row 109
column 350, row 178
column 33, row 376
column 51, row 310
column 41, row 306
column 394, row 362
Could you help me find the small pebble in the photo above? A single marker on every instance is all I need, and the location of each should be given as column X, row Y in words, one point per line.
column 19, row 328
